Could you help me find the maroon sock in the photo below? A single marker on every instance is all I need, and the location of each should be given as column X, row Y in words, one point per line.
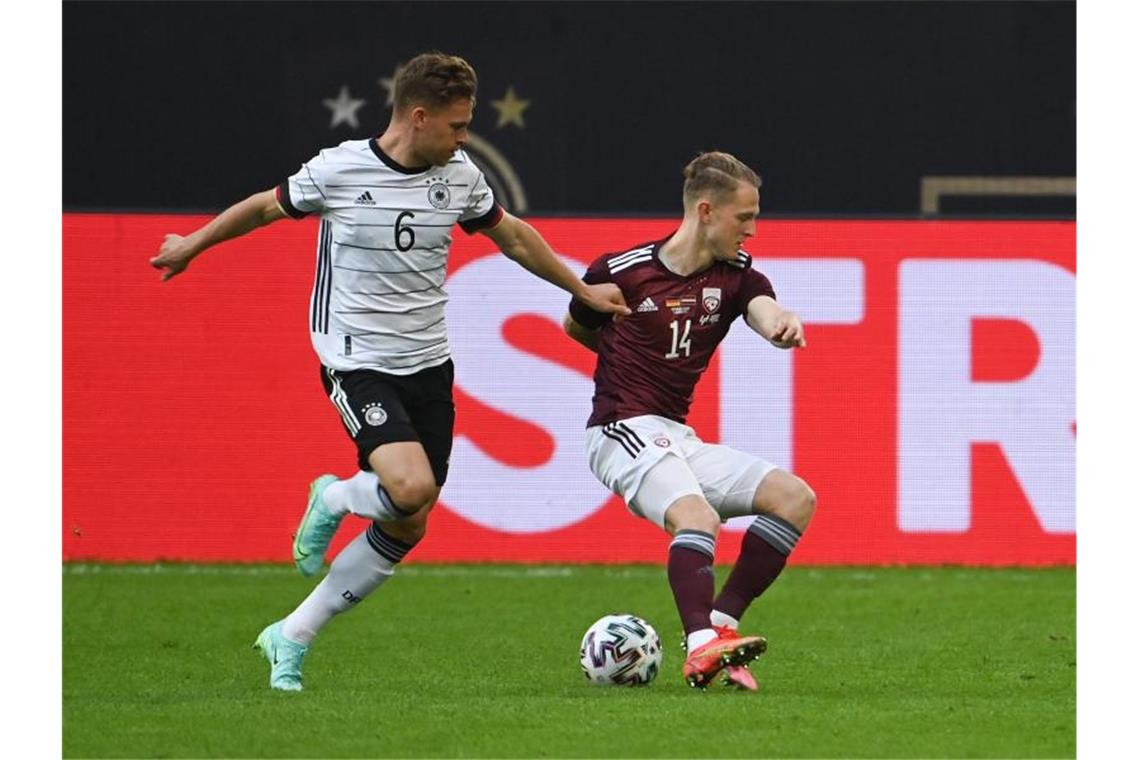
column 692, row 578
column 759, row 564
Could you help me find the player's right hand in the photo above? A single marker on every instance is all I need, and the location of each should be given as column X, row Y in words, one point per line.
column 788, row 332
column 174, row 256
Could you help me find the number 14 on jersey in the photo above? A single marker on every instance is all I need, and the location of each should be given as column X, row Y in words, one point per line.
column 680, row 339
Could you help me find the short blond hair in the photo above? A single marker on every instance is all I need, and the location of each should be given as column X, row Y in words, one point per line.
column 716, row 174
column 434, row 80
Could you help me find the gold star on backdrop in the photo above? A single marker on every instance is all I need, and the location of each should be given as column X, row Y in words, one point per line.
column 510, row 109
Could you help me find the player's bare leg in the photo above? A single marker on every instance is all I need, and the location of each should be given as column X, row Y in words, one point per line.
column 786, row 496
column 398, row 487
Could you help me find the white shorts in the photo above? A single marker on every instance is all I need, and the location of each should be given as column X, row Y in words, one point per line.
column 624, row 456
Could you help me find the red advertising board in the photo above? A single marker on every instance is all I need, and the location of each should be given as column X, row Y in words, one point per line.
column 933, row 411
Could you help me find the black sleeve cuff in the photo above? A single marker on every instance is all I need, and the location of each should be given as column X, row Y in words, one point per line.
column 488, row 220
column 286, row 204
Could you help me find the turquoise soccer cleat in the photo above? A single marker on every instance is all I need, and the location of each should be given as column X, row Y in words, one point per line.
column 284, row 656
column 316, row 530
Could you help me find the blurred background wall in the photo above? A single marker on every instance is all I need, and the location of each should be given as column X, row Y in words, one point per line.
column 934, row 413
column 586, row 107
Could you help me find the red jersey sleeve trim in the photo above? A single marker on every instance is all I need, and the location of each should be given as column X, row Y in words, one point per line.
column 485, row 222
column 286, row 204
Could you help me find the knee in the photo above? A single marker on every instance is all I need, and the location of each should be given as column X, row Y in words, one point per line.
column 691, row 513
column 786, row 496
column 412, row 493
column 801, row 506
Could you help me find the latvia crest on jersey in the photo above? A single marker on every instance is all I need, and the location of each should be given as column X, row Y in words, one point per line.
column 710, row 298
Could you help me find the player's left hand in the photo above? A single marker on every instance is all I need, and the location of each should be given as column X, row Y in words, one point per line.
column 606, row 298
column 788, row 332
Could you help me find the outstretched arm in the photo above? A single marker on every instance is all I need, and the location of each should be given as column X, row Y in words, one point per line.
column 780, row 327
column 255, row 211
column 580, row 333
column 521, row 243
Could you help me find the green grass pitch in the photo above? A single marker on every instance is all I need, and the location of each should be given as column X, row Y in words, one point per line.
column 481, row 661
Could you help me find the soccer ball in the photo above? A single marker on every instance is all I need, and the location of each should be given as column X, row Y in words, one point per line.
column 622, row 650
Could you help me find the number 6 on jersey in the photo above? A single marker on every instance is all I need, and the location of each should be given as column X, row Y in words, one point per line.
column 401, row 245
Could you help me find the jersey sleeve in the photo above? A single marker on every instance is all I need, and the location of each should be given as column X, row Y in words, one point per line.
column 754, row 284
column 598, row 272
column 481, row 212
column 304, row 192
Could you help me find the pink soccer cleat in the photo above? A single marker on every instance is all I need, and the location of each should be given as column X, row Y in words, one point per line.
column 726, row 650
column 740, row 677
column 736, row 676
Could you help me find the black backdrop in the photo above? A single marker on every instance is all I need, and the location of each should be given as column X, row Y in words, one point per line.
column 842, row 107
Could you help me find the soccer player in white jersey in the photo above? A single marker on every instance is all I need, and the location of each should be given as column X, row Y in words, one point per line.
column 387, row 207
column 686, row 290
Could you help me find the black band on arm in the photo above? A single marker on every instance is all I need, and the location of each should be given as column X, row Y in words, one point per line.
column 286, row 204
column 587, row 317
column 488, row 220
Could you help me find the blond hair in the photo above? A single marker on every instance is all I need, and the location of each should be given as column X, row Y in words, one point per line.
column 716, row 174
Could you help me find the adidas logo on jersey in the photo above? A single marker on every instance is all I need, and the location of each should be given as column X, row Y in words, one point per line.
column 647, row 305
column 365, row 199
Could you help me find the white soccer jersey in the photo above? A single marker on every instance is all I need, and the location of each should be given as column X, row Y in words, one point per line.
column 378, row 298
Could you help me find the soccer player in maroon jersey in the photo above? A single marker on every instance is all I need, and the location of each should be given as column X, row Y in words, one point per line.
column 685, row 292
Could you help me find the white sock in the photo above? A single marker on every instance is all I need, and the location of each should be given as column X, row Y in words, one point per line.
column 699, row 638
column 361, row 495
column 355, row 573
column 719, row 618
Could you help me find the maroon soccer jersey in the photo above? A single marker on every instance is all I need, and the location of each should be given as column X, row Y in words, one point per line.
column 650, row 362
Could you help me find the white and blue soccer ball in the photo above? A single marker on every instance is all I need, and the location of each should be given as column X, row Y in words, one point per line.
column 620, row 650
